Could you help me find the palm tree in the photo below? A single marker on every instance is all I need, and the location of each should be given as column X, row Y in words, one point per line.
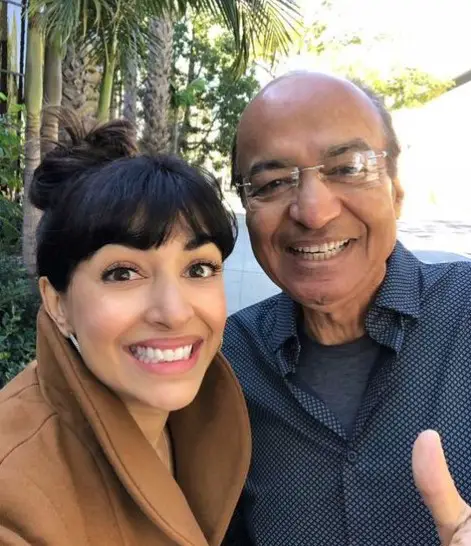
column 119, row 33
column 52, row 94
column 80, row 81
column 111, row 27
column 267, row 26
column 156, row 137
column 130, row 75
column 33, row 103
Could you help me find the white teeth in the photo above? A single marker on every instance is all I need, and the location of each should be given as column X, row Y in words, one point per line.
column 322, row 248
column 321, row 252
column 154, row 356
column 168, row 355
column 187, row 351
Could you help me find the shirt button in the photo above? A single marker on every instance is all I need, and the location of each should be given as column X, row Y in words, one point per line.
column 352, row 456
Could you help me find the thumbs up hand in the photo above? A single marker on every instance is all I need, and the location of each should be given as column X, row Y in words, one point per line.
column 432, row 478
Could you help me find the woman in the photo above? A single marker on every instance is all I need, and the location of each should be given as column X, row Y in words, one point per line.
column 130, row 428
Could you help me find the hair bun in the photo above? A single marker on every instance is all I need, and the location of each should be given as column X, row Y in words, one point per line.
column 82, row 150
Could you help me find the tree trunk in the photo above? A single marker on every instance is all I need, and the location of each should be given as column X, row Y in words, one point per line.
column 114, row 106
column 13, row 66
column 52, row 93
column 106, row 89
column 80, row 82
column 182, row 145
column 4, row 55
column 175, row 130
column 156, row 137
column 33, row 103
column 130, row 89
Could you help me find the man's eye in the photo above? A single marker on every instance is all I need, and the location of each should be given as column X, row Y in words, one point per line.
column 202, row 270
column 345, row 170
column 272, row 187
column 120, row 274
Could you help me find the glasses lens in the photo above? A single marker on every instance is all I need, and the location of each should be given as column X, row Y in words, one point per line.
column 353, row 168
column 270, row 185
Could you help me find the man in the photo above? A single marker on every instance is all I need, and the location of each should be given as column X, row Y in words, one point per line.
column 364, row 348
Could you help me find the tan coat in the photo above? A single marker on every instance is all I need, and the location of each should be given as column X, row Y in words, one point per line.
column 75, row 469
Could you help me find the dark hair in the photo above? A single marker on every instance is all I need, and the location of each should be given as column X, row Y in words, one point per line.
column 392, row 142
column 97, row 190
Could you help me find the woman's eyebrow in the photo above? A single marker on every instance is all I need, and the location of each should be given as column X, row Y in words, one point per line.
column 198, row 241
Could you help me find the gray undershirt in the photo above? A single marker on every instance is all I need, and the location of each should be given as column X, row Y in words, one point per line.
column 338, row 374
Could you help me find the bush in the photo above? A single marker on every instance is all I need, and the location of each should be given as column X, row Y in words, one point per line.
column 18, row 310
column 11, row 150
column 11, row 217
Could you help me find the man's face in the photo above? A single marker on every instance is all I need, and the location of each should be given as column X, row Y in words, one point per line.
column 324, row 247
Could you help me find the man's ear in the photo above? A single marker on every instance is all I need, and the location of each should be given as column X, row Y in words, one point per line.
column 53, row 302
column 398, row 196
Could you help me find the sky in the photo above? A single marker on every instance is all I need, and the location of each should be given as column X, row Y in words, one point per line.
column 433, row 35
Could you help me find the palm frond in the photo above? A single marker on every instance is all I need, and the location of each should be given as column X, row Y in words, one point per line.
column 269, row 25
column 63, row 17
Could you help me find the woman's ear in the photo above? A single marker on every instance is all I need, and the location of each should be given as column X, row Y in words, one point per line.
column 54, row 305
column 398, row 196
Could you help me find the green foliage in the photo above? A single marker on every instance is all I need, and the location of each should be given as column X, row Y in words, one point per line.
column 11, row 218
column 113, row 28
column 18, row 309
column 11, row 150
column 207, row 97
column 406, row 88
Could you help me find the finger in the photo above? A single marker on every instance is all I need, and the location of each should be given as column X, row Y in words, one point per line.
column 435, row 484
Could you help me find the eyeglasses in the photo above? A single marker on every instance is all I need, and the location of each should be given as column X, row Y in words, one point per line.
column 345, row 172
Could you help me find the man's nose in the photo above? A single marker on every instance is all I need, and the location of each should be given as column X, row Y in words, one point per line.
column 315, row 204
column 169, row 305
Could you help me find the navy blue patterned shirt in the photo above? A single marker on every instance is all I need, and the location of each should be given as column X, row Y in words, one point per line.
column 312, row 485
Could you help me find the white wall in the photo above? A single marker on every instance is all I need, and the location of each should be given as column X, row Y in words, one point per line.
column 436, row 158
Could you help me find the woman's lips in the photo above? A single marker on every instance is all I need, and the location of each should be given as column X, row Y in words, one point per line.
column 170, row 358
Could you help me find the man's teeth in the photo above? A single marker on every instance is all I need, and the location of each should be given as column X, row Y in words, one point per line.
column 154, row 356
column 321, row 252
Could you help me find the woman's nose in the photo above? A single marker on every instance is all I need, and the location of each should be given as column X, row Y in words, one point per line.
column 169, row 306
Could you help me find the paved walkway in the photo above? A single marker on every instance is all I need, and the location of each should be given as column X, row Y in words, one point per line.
column 430, row 240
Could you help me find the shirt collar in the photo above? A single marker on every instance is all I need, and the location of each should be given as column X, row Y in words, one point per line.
column 400, row 292
column 286, row 313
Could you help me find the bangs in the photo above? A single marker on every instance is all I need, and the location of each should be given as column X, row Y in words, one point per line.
column 140, row 202
column 137, row 203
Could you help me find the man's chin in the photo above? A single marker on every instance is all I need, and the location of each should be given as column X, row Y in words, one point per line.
column 320, row 298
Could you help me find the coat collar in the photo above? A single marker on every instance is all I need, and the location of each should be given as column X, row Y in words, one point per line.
column 211, row 440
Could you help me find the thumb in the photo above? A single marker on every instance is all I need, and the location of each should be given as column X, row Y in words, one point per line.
column 435, row 484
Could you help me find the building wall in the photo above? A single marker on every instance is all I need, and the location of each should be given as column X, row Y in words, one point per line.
column 434, row 167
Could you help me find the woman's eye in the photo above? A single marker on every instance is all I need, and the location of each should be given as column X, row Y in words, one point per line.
column 203, row 270
column 120, row 274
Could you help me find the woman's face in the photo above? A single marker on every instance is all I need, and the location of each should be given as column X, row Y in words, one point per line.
column 148, row 322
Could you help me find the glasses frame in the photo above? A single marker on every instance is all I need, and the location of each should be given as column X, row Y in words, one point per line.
column 296, row 172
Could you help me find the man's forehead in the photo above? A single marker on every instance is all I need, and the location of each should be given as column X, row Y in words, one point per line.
column 305, row 105
column 312, row 91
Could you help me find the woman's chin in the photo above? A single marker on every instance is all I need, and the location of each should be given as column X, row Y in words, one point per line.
column 173, row 397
